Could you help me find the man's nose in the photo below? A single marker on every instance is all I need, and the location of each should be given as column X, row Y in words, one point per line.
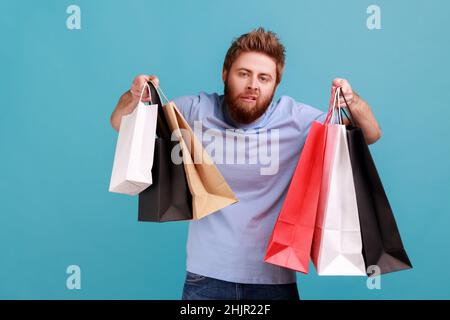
column 252, row 84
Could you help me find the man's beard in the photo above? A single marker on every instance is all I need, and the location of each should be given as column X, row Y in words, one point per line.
column 243, row 112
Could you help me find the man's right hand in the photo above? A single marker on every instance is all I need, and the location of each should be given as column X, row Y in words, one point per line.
column 139, row 83
column 129, row 100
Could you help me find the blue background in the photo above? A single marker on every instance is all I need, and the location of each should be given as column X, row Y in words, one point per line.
column 59, row 86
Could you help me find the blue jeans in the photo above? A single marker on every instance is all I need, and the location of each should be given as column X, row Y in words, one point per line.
column 198, row 287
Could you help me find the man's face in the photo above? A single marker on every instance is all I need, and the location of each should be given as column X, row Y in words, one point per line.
column 249, row 86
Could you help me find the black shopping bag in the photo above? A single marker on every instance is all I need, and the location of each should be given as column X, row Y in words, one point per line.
column 168, row 198
column 382, row 245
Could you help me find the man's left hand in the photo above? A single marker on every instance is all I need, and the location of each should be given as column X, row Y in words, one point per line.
column 347, row 90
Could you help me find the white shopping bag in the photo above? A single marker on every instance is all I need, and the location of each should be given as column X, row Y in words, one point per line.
column 135, row 147
column 337, row 244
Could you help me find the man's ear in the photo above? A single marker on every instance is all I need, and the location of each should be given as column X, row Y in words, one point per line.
column 224, row 75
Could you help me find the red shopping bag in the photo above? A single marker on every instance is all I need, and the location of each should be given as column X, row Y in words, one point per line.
column 290, row 243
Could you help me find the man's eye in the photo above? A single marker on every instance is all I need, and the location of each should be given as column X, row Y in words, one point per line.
column 264, row 79
column 243, row 74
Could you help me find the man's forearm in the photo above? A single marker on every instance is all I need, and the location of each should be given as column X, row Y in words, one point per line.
column 363, row 116
column 126, row 105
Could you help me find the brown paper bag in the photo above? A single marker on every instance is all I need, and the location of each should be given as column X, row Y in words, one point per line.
column 210, row 192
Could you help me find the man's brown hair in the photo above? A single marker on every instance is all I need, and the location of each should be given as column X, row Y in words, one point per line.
column 258, row 40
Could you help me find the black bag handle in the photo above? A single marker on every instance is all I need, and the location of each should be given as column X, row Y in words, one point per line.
column 162, row 127
column 341, row 109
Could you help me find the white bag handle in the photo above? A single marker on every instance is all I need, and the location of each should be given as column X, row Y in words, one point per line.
column 337, row 110
column 142, row 91
column 333, row 110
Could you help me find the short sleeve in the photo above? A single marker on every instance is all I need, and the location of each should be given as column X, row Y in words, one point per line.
column 305, row 115
column 322, row 117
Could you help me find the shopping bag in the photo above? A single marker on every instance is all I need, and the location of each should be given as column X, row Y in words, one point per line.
column 168, row 198
column 337, row 244
column 382, row 244
column 210, row 192
column 133, row 157
column 290, row 243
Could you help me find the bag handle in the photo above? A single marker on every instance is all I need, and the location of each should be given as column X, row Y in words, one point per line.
column 150, row 91
column 142, row 91
column 334, row 112
column 162, row 93
column 334, row 109
column 349, row 115
column 331, row 105
column 162, row 127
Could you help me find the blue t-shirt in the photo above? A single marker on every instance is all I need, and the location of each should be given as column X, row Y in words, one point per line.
column 258, row 161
